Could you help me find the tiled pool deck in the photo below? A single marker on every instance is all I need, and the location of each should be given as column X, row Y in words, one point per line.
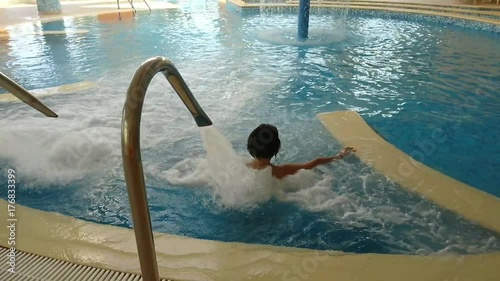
column 13, row 13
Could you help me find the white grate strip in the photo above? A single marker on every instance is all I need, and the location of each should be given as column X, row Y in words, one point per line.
column 31, row 267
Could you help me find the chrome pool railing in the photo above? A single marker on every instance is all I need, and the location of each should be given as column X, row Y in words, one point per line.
column 19, row 92
column 131, row 152
column 146, row 5
column 131, row 2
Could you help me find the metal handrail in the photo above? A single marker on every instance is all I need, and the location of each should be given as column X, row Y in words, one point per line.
column 131, row 2
column 131, row 152
column 18, row 91
column 146, row 4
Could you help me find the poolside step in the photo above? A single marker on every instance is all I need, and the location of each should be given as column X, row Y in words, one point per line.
column 487, row 20
column 481, row 14
column 428, row 6
column 27, row 266
column 493, row 10
column 485, row 13
column 350, row 129
column 467, row 4
column 414, row 4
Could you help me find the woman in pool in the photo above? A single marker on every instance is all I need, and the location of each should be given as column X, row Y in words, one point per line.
column 264, row 143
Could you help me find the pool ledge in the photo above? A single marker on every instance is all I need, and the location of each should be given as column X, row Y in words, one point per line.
column 380, row 8
column 351, row 130
column 180, row 258
column 62, row 89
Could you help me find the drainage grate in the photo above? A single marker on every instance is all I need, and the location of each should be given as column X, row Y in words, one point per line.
column 30, row 267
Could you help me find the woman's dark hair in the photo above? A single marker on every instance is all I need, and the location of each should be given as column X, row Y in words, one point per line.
column 264, row 142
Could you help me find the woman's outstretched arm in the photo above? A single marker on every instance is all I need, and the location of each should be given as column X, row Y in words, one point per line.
column 282, row 171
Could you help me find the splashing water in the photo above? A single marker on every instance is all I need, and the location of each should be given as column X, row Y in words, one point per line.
column 234, row 185
column 72, row 165
column 347, row 194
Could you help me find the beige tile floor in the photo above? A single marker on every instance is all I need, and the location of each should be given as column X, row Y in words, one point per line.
column 14, row 13
column 18, row 11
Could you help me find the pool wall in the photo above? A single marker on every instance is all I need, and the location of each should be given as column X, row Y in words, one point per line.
column 351, row 130
column 481, row 23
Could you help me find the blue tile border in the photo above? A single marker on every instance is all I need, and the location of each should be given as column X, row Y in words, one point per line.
column 432, row 18
column 409, row 5
column 373, row 13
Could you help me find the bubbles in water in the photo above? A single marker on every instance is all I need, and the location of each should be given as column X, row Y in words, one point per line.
column 346, row 194
column 56, row 151
column 233, row 184
column 317, row 37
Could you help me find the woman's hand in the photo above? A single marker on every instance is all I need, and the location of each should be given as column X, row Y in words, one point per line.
column 346, row 151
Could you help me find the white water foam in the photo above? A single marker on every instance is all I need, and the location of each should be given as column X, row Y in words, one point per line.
column 317, row 37
column 234, row 185
column 84, row 140
column 343, row 192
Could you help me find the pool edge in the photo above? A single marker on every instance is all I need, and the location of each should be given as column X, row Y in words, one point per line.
column 456, row 18
column 50, row 91
column 31, row 18
column 351, row 130
column 181, row 258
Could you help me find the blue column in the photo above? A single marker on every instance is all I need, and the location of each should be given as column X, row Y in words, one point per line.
column 303, row 29
column 49, row 7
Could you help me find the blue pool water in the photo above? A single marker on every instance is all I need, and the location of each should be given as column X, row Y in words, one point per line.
column 427, row 88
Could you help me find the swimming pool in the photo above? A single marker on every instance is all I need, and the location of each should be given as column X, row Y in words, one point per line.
column 407, row 84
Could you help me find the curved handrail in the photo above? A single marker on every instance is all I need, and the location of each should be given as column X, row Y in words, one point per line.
column 18, row 91
column 131, row 152
column 131, row 2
